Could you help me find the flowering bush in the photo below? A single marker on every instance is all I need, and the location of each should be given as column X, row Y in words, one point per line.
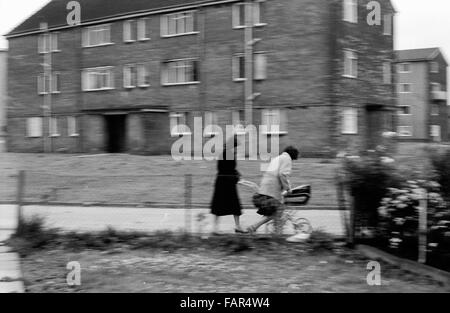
column 441, row 165
column 399, row 216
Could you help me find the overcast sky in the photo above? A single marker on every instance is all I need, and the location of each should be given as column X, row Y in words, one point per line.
column 419, row 23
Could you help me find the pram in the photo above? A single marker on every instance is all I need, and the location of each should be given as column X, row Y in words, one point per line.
column 287, row 221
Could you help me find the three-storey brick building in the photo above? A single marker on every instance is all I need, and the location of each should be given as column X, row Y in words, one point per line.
column 132, row 72
column 422, row 95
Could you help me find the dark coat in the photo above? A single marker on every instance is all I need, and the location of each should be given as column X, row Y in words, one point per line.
column 225, row 199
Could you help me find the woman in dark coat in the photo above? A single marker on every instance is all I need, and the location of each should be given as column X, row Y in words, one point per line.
column 225, row 199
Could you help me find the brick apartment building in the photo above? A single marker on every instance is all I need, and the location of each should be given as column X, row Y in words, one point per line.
column 3, row 79
column 422, row 95
column 133, row 71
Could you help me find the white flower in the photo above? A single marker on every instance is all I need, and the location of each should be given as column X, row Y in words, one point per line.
column 387, row 160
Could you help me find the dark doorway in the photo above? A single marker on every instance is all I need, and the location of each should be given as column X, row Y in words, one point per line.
column 115, row 133
column 377, row 123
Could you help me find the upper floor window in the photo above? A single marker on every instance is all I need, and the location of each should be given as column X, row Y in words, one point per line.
column 434, row 67
column 350, row 64
column 435, row 87
column 135, row 30
column 404, row 68
column 387, row 73
column 404, row 110
column 435, row 132
column 256, row 9
column 178, row 24
column 100, row 78
column 275, row 121
column 136, row 75
column 259, row 67
column 48, row 42
column 350, row 121
column 180, row 72
column 350, row 11
column 48, row 83
column 387, row 24
column 435, row 109
column 97, row 35
column 405, row 88
column 129, row 31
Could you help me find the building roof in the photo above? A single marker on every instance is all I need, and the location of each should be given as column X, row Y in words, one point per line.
column 426, row 54
column 55, row 12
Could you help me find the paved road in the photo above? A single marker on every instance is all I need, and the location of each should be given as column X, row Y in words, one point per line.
column 151, row 219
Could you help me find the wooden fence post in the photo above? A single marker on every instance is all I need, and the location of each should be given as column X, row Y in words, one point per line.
column 187, row 201
column 19, row 196
column 423, row 220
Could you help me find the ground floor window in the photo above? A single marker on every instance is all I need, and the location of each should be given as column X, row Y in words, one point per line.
column 404, row 110
column 72, row 127
column 53, row 127
column 34, row 127
column 275, row 121
column 435, row 131
column 404, row 131
column 178, row 126
column 350, row 121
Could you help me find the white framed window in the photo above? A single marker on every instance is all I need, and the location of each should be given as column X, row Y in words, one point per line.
column 275, row 121
column 46, row 85
column 211, row 124
column 350, row 11
column 387, row 73
column 53, row 127
column 259, row 66
column 404, row 131
column 387, row 24
column 434, row 67
column 72, row 126
column 238, row 122
column 178, row 125
column 435, row 131
column 350, row 121
column 48, row 42
column 129, row 31
column 239, row 13
column 99, row 78
column 183, row 71
column 98, row 35
column 404, row 88
column 129, row 76
column 435, row 87
column 143, row 75
column 350, row 64
column 34, row 127
column 435, row 109
column 142, row 32
column 238, row 67
column 404, row 110
column 175, row 24
column 404, row 68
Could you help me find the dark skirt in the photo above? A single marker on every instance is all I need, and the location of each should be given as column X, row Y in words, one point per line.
column 225, row 199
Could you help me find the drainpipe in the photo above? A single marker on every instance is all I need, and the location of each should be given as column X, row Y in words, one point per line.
column 248, row 37
column 47, row 108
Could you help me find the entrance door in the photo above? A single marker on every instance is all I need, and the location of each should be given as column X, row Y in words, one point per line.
column 377, row 123
column 115, row 133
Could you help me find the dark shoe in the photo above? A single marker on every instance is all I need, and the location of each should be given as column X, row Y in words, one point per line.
column 240, row 231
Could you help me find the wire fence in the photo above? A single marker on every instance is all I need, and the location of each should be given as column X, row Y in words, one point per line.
column 144, row 202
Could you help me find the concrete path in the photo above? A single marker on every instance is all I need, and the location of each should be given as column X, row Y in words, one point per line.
column 150, row 219
column 10, row 271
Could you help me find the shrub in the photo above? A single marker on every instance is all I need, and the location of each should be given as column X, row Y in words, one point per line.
column 440, row 161
column 399, row 218
column 368, row 177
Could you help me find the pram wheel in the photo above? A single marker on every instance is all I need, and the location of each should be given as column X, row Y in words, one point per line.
column 302, row 225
